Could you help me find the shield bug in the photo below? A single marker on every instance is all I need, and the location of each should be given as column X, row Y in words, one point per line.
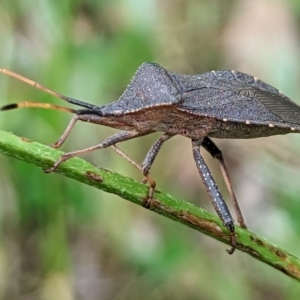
column 216, row 104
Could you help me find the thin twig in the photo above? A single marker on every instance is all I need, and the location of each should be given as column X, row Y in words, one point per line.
column 166, row 205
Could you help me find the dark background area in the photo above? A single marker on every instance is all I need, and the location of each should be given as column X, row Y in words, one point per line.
column 60, row 239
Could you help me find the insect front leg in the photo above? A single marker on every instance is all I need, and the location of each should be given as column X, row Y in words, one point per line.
column 214, row 193
column 112, row 140
column 66, row 133
column 215, row 152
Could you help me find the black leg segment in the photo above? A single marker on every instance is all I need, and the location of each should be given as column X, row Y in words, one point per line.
column 152, row 153
column 215, row 152
column 214, row 193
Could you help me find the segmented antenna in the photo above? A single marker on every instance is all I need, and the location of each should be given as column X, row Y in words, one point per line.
column 45, row 89
column 39, row 105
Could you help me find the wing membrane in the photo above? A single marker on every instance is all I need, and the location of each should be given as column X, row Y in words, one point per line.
column 237, row 96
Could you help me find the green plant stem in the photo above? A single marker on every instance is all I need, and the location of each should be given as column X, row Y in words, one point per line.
column 164, row 204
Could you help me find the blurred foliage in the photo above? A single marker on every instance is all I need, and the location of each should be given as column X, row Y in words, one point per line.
column 63, row 240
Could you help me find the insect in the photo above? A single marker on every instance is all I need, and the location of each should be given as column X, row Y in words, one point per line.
column 216, row 104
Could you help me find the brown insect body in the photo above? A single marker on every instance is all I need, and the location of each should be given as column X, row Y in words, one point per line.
column 219, row 104
column 163, row 118
column 222, row 101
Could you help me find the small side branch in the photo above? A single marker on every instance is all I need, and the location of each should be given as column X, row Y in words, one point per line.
column 166, row 205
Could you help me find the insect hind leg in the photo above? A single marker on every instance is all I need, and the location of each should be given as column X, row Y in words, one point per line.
column 215, row 152
column 214, row 193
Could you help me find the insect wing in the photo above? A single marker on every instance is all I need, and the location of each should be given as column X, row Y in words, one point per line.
column 238, row 97
column 279, row 105
column 220, row 104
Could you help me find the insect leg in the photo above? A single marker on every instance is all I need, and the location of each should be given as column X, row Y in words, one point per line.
column 146, row 165
column 149, row 179
column 215, row 152
column 125, row 156
column 214, row 193
column 148, row 161
column 152, row 153
column 112, row 140
column 66, row 132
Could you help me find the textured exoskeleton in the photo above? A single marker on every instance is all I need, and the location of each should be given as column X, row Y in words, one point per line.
column 218, row 104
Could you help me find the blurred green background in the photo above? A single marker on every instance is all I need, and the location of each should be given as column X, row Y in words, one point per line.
column 60, row 239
